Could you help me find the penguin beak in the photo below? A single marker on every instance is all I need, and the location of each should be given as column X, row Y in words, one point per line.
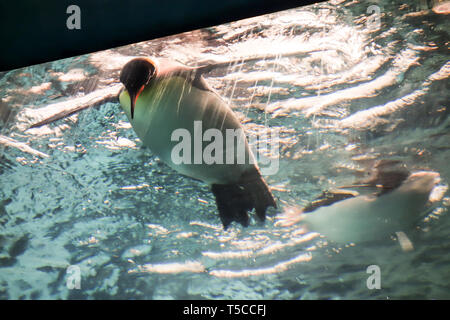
column 133, row 98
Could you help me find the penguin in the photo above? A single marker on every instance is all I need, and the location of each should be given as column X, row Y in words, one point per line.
column 161, row 96
column 348, row 216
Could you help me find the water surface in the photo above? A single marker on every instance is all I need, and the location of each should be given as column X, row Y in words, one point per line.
column 341, row 90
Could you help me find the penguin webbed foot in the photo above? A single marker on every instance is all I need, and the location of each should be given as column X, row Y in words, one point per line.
column 235, row 200
column 233, row 204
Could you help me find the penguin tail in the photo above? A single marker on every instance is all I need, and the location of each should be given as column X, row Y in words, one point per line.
column 235, row 200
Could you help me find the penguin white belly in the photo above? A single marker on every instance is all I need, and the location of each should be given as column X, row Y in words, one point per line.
column 173, row 103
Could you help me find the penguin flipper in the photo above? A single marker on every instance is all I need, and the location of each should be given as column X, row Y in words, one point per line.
column 235, row 200
column 329, row 197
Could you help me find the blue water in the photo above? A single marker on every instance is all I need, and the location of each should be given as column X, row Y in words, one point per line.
column 343, row 92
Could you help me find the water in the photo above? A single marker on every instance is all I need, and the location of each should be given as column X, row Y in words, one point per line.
column 343, row 92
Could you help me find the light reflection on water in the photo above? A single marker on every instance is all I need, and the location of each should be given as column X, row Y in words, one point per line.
column 342, row 95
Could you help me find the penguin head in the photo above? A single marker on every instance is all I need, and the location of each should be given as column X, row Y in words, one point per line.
column 421, row 182
column 135, row 75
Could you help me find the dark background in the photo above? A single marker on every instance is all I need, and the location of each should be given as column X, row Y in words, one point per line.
column 34, row 31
